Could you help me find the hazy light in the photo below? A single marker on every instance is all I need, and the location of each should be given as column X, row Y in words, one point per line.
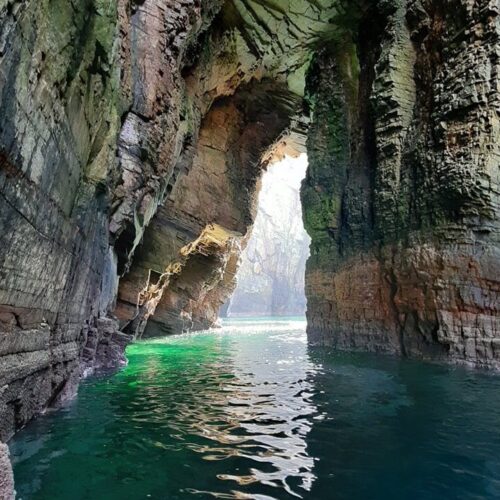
column 271, row 276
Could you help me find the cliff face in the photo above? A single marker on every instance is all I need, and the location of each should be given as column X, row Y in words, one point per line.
column 113, row 113
column 402, row 194
column 6, row 475
column 59, row 95
column 224, row 170
column 272, row 269
column 132, row 139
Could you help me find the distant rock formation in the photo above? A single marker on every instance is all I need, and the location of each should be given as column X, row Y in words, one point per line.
column 271, row 274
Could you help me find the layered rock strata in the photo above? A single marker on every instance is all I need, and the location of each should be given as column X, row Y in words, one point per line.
column 102, row 104
column 133, row 136
column 235, row 135
column 59, row 96
column 402, row 194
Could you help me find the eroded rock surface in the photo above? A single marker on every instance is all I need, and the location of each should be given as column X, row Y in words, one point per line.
column 402, row 195
column 132, row 140
column 102, row 105
column 59, row 91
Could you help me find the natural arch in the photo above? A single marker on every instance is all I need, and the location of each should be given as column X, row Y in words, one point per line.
column 131, row 147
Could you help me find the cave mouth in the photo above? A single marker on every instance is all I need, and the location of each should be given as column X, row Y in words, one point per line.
column 270, row 278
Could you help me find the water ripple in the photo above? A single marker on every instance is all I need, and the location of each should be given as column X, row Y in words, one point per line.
column 249, row 412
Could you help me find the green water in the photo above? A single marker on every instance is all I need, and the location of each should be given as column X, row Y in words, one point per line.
column 251, row 412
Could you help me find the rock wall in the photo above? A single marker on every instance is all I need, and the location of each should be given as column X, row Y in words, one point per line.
column 60, row 117
column 100, row 147
column 402, row 195
column 6, row 475
column 224, row 172
column 84, row 124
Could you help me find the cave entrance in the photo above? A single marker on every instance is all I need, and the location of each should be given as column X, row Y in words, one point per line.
column 271, row 275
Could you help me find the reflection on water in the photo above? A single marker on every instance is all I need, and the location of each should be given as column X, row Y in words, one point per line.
column 249, row 412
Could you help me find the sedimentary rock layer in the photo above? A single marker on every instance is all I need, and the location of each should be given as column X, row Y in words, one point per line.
column 402, row 194
column 102, row 104
column 59, row 85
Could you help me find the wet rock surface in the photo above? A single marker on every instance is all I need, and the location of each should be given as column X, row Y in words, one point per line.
column 133, row 136
column 59, row 87
column 402, row 199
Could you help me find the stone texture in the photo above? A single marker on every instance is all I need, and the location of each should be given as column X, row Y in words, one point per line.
column 58, row 94
column 406, row 254
column 224, row 172
column 6, row 475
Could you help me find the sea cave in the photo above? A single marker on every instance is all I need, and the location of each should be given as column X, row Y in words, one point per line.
column 249, row 249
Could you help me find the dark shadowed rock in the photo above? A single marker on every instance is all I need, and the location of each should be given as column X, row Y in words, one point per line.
column 401, row 198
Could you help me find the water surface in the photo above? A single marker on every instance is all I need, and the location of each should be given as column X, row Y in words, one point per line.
column 250, row 412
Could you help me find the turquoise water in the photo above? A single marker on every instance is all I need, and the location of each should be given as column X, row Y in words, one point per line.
column 250, row 412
